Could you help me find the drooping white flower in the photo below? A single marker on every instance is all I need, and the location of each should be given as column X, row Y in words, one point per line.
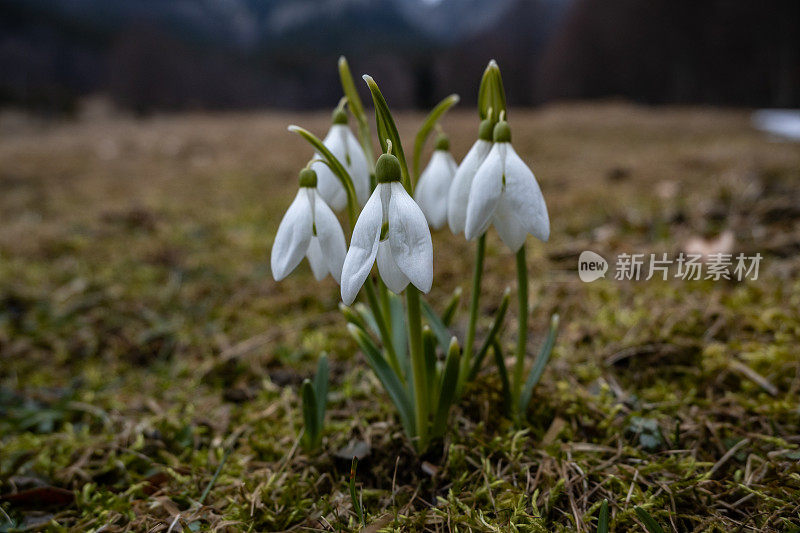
column 391, row 230
column 434, row 184
column 505, row 193
column 342, row 144
column 308, row 229
column 462, row 180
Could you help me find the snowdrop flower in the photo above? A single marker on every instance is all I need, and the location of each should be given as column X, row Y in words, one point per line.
column 505, row 193
column 392, row 230
column 342, row 144
column 434, row 183
column 308, row 229
column 462, row 180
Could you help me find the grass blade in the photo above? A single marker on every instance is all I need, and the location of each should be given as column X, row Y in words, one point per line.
column 356, row 501
column 539, row 365
column 452, row 307
column 648, row 521
column 390, row 381
column 503, row 373
column 336, row 166
column 321, row 388
column 310, row 416
column 499, row 316
column 438, row 327
column 602, row 521
column 428, row 125
column 388, row 130
column 447, row 390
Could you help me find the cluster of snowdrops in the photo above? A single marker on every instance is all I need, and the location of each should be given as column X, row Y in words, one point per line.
column 408, row 344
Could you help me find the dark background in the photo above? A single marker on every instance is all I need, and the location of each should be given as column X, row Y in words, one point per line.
column 153, row 55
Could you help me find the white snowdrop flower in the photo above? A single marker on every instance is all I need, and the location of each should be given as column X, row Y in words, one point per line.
column 462, row 180
column 505, row 193
column 391, row 230
column 342, row 144
column 309, row 229
column 434, row 184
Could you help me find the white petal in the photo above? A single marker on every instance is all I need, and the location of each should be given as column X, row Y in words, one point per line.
column 508, row 225
column 485, row 193
column 433, row 187
column 331, row 239
column 292, row 238
column 328, row 186
column 358, row 167
column 391, row 274
column 462, row 183
column 524, row 198
column 363, row 247
column 316, row 259
column 410, row 238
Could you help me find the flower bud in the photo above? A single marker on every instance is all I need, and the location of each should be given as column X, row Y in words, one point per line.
column 442, row 142
column 387, row 169
column 339, row 116
column 307, row 178
column 502, row 133
column 485, row 130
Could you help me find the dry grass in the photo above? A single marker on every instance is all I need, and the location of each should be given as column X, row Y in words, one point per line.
column 141, row 335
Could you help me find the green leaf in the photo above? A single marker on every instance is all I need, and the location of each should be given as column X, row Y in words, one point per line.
column 357, row 109
column 499, row 316
column 399, row 338
column 602, row 521
column 352, row 317
column 429, row 350
column 388, row 130
column 368, row 318
column 539, row 365
column 321, row 388
column 336, row 167
column 356, row 501
column 500, row 362
column 390, row 381
column 438, row 327
column 447, row 390
column 648, row 521
column 310, row 416
column 428, row 125
column 452, row 307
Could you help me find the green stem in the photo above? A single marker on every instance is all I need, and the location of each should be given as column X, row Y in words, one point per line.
column 477, row 275
column 417, row 366
column 380, row 319
column 522, row 339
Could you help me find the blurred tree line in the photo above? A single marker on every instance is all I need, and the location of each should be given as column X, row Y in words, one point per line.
column 729, row 52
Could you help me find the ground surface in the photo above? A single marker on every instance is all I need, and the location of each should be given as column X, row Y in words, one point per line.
column 142, row 336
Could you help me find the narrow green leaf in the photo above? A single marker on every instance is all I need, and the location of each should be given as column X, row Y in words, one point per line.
column 452, row 307
column 390, row 381
column 438, row 327
column 500, row 362
column 352, row 317
column 602, row 522
column 368, row 318
column 539, row 365
column 353, row 497
column 388, row 130
column 336, row 167
column 499, row 316
column 399, row 337
column 428, row 125
column 648, row 521
column 429, row 350
column 321, row 388
column 447, row 390
column 357, row 109
column 310, row 416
